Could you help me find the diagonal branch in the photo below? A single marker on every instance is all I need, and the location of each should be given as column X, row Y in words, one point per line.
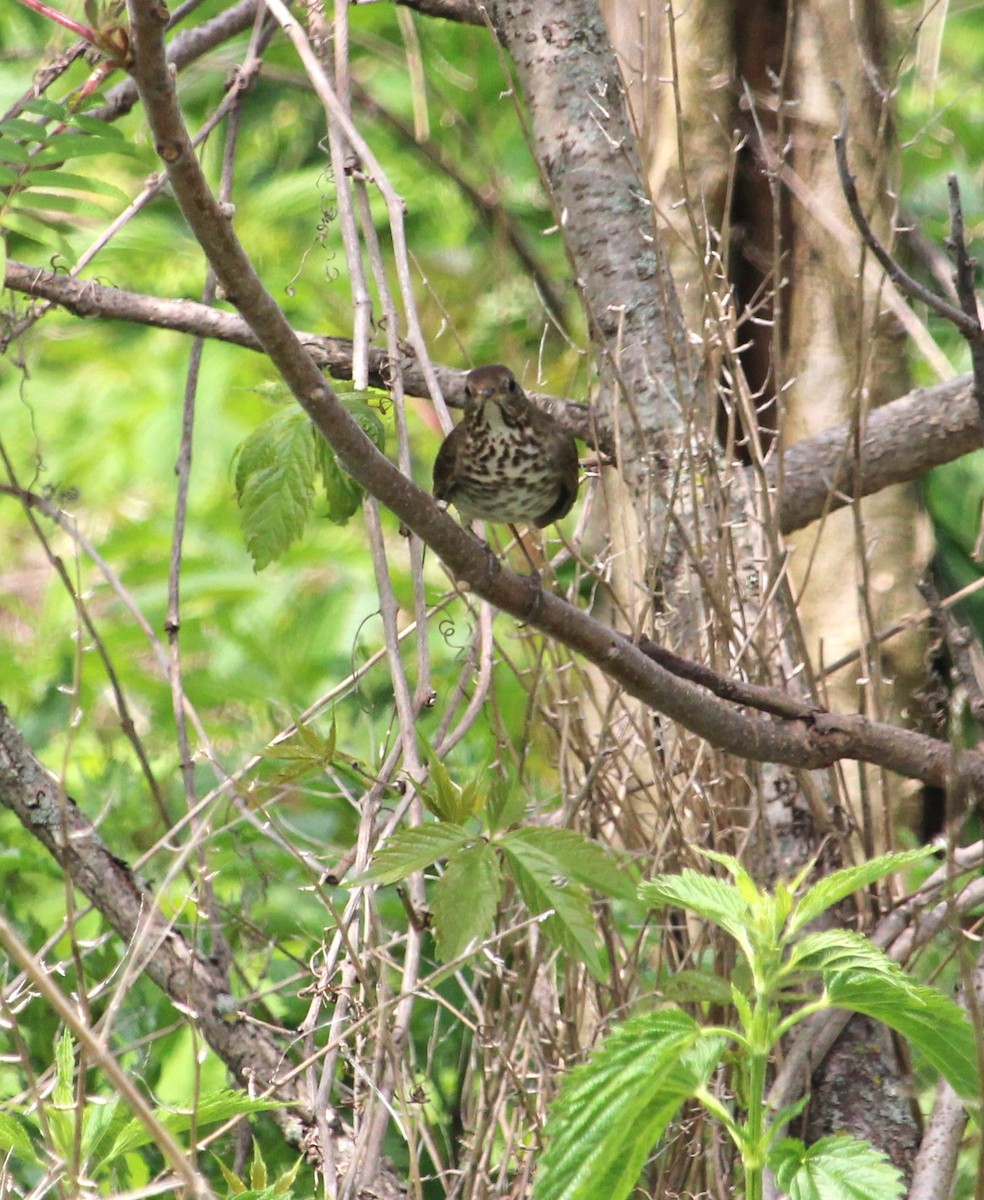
column 900, row 441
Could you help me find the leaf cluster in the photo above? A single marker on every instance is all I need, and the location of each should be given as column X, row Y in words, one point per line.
column 100, row 1136
column 40, row 198
column 553, row 870
column 637, row 1079
column 277, row 468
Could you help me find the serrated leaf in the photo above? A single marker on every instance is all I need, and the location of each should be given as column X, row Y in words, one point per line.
column 465, row 899
column 15, row 1139
column 932, row 1022
column 62, row 146
column 505, row 804
column 233, row 1182
column 704, row 895
column 343, row 494
column 366, row 415
column 258, row 1177
column 612, row 1109
column 839, row 950
column 275, row 484
column 571, row 925
column 305, row 745
column 412, row 850
column 443, row 797
column 834, row 888
column 746, row 885
column 580, row 858
column 42, row 201
column 834, row 1168
column 283, row 1182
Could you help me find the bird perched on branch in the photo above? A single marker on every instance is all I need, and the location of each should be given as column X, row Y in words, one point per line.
column 506, row 461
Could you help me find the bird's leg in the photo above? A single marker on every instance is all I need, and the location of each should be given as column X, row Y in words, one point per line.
column 535, row 578
column 534, row 569
column 491, row 558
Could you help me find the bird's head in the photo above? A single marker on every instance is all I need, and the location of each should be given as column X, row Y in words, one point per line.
column 498, row 385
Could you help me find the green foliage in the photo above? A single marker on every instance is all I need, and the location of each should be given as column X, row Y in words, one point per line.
column 613, row 1109
column 834, row 1168
column 276, row 468
column 41, row 199
column 553, row 870
column 259, row 1186
column 100, row 1132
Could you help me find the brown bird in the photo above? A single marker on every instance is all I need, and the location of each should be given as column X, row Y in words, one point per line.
column 507, row 461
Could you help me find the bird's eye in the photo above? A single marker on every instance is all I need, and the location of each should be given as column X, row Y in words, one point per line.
column 468, row 391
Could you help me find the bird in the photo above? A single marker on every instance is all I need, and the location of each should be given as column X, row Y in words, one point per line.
column 506, row 461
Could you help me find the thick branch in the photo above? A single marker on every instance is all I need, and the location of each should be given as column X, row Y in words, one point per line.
column 466, row 12
column 192, row 982
column 573, row 87
column 334, row 355
column 900, row 441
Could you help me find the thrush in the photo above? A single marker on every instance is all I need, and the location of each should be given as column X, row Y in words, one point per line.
column 506, row 461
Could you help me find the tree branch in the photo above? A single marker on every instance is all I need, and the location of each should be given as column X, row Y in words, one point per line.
column 900, row 441
column 186, row 976
column 465, row 12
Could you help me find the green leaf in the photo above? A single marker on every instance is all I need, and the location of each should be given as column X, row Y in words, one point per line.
column 839, row 950
column 445, row 799
column 932, row 1022
column 275, row 484
column 29, row 225
column 18, row 127
column 612, row 1109
column 101, row 1123
column 570, row 924
column 63, row 1093
column 412, row 850
column 62, row 146
column 68, row 179
column 835, row 1168
column 696, row 987
column 704, row 895
column 465, row 899
column 15, row 1139
column 48, row 108
column 580, row 858
column 305, row 745
column 745, row 884
column 834, row 888
column 506, row 803
column 219, row 1106
column 366, row 415
column 343, row 494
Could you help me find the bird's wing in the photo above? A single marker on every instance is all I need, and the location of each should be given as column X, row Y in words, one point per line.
column 446, row 466
column 565, row 459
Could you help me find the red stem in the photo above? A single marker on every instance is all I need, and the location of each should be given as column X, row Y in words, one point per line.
column 82, row 31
